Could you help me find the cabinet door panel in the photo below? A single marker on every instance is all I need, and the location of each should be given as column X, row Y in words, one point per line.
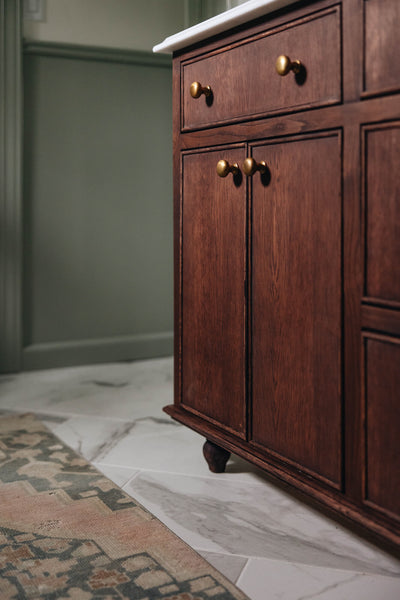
column 213, row 303
column 381, row 41
column 382, row 406
column 297, row 298
column 382, row 211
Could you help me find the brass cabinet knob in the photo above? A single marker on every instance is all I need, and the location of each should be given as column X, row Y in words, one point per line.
column 224, row 168
column 284, row 65
column 196, row 90
column 250, row 166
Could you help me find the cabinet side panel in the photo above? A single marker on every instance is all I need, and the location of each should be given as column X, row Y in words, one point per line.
column 297, row 303
column 213, row 303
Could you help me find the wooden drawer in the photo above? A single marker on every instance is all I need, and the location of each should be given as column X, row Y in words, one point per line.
column 244, row 80
column 381, row 41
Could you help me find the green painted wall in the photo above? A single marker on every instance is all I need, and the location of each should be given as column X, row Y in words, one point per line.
column 10, row 185
column 97, row 199
column 97, row 282
column 129, row 24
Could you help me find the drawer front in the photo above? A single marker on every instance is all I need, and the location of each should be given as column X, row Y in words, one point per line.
column 381, row 41
column 244, row 80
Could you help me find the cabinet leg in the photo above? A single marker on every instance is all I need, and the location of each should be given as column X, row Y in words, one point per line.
column 215, row 456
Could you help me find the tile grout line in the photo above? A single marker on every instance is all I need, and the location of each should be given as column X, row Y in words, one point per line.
column 194, row 475
column 128, row 482
column 242, row 573
column 245, row 556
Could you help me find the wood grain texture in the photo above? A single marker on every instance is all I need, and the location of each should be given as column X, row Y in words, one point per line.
column 380, row 319
column 213, row 276
column 382, row 211
column 380, row 109
column 381, row 41
column 296, row 303
column 244, row 80
column 382, row 413
column 352, row 292
column 297, row 374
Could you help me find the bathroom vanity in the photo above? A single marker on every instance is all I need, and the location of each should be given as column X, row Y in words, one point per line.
column 287, row 248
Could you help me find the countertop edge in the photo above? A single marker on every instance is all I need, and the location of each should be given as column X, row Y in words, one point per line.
column 222, row 22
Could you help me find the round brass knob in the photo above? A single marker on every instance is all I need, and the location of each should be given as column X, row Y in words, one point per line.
column 250, row 166
column 284, row 65
column 224, row 168
column 196, row 90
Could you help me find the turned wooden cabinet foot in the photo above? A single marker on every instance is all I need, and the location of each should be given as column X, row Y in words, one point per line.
column 215, row 456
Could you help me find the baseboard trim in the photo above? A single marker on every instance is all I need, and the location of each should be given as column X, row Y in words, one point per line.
column 99, row 54
column 84, row 352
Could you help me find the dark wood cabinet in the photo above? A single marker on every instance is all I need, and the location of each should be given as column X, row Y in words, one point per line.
column 287, row 258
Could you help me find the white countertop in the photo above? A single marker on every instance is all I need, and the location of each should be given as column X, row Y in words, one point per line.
column 226, row 20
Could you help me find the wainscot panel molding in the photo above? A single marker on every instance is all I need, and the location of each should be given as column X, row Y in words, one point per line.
column 133, row 57
column 97, row 205
column 10, row 185
column 59, row 354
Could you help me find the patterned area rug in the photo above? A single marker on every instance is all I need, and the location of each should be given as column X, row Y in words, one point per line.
column 68, row 532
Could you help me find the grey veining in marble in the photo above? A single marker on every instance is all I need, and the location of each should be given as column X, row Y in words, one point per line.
column 290, row 581
column 121, row 390
column 267, row 522
column 96, row 437
column 90, row 436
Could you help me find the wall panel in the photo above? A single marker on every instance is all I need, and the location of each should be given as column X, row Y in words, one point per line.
column 97, row 206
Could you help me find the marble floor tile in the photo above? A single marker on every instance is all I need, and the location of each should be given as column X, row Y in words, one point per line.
column 263, row 579
column 90, row 436
column 178, row 451
column 119, row 475
column 97, row 437
column 120, row 390
column 229, row 565
column 223, row 516
column 165, row 445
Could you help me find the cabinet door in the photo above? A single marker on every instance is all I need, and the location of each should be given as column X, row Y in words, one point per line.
column 382, row 213
column 297, row 297
column 213, row 221
column 382, row 422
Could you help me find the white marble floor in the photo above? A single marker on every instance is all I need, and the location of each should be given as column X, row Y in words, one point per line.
column 272, row 546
